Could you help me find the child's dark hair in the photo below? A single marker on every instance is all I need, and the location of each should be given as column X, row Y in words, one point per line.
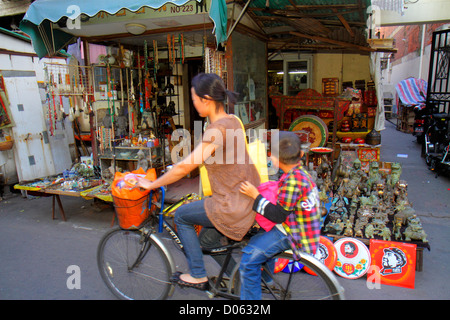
column 289, row 148
column 210, row 86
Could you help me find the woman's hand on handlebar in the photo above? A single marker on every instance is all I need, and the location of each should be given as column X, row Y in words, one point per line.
column 144, row 183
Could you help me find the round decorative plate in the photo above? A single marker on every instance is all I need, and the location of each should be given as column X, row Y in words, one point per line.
column 287, row 265
column 322, row 150
column 353, row 258
column 280, row 264
column 326, row 253
column 293, row 266
column 317, row 129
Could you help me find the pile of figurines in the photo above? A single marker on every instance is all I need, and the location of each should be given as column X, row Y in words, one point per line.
column 367, row 204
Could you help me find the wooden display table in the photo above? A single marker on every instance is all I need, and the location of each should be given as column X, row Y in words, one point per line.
column 55, row 191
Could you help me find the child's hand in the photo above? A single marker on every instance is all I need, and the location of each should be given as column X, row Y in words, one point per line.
column 248, row 189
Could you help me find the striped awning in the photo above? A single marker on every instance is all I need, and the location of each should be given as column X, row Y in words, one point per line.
column 412, row 92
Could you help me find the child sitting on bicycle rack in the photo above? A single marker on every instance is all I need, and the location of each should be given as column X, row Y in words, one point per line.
column 296, row 213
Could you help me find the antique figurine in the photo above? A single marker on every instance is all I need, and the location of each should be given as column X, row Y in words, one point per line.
column 348, row 229
column 414, row 231
column 374, row 174
column 396, row 171
column 142, row 161
column 335, row 227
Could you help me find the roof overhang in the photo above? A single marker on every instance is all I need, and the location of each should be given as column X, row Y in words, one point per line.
column 52, row 24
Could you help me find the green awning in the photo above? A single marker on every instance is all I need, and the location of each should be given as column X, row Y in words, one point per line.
column 39, row 20
column 45, row 39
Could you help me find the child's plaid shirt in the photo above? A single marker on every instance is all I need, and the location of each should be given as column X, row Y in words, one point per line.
column 299, row 194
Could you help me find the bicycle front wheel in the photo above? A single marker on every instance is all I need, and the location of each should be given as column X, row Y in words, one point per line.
column 134, row 266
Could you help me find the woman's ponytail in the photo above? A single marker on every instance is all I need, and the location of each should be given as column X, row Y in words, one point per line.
column 210, row 86
column 232, row 96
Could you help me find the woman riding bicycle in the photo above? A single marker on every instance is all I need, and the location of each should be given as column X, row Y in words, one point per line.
column 227, row 210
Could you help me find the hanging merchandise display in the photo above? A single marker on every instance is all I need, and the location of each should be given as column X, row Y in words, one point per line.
column 148, row 91
column 109, row 95
column 49, row 114
column 181, row 42
column 73, row 82
column 147, row 83
column 155, row 58
column 174, row 55
column 215, row 62
column 131, row 100
column 171, row 49
column 104, row 137
column 141, row 95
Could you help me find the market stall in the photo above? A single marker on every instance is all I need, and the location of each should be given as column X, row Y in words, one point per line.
column 369, row 226
column 125, row 94
column 365, row 207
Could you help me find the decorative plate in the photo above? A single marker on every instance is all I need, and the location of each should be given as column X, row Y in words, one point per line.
column 287, row 265
column 353, row 258
column 317, row 129
column 293, row 266
column 280, row 264
column 326, row 253
column 322, row 150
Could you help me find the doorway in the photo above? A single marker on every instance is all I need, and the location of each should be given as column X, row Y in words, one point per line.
column 194, row 67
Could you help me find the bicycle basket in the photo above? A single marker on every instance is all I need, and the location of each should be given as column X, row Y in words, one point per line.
column 131, row 213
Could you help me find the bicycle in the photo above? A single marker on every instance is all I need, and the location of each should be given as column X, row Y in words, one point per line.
column 136, row 264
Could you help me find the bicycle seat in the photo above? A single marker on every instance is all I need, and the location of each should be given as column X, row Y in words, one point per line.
column 224, row 248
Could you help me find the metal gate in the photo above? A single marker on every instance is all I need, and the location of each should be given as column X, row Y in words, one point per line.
column 438, row 95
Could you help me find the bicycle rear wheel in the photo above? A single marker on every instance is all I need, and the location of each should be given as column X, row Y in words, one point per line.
column 298, row 285
column 134, row 266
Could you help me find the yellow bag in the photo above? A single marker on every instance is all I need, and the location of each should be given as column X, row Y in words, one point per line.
column 257, row 152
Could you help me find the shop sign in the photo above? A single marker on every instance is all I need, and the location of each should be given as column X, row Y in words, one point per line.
column 168, row 10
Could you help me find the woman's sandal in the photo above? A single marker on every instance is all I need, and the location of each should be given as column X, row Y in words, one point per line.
column 203, row 286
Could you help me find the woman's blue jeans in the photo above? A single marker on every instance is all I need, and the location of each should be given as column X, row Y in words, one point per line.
column 260, row 249
column 186, row 217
